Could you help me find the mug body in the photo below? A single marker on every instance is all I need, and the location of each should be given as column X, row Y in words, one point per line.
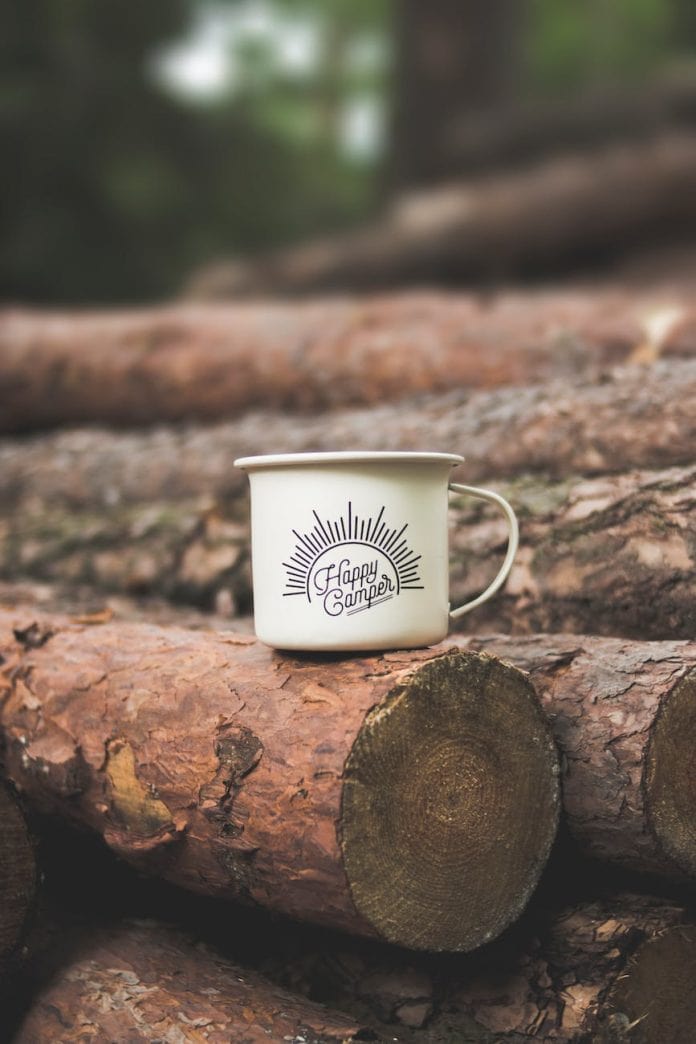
column 350, row 550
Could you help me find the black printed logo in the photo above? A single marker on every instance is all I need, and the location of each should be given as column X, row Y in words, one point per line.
column 350, row 564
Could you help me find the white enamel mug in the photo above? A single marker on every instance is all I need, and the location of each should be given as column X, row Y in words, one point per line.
column 350, row 550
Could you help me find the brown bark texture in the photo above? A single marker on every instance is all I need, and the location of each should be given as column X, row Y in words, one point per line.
column 85, row 605
column 210, row 362
column 18, row 875
column 535, row 219
column 569, row 973
column 614, row 555
column 384, row 796
column 624, row 716
column 140, row 981
column 635, row 417
column 611, row 555
column 616, row 970
column 189, row 552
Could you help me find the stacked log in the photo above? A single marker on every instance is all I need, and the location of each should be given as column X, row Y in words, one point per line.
column 141, row 981
column 626, row 785
column 209, row 363
column 613, row 556
column 624, row 716
column 607, row 971
column 591, row 970
column 164, row 514
column 587, row 546
column 412, row 796
column 636, row 417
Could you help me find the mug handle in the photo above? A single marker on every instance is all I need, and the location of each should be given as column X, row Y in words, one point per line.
column 513, row 541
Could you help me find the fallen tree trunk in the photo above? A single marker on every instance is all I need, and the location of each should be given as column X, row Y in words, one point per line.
column 578, row 205
column 634, row 418
column 613, row 555
column 140, row 981
column 214, row 362
column 18, row 876
column 623, row 716
column 306, row 785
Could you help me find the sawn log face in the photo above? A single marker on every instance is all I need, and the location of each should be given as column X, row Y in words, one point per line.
column 623, row 716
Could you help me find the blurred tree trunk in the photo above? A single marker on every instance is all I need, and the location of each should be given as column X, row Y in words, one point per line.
column 684, row 25
column 454, row 58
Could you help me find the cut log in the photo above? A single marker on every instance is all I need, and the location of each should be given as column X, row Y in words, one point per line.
column 633, row 418
column 581, row 972
column 18, row 876
column 412, row 795
column 613, row 555
column 214, row 362
column 533, row 221
column 624, row 717
column 609, row 971
column 142, row 982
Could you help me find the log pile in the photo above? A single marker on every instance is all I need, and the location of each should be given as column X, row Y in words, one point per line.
column 378, row 833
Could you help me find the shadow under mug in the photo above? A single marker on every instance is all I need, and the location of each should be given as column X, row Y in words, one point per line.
column 351, row 550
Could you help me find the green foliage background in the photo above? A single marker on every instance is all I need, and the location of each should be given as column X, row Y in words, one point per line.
column 114, row 188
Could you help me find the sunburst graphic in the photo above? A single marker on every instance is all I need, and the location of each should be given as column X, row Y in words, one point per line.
column 351, row 563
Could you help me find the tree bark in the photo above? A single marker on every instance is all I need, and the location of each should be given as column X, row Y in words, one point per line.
column 568, row 212
column 635, row 417
column 584, row 972
column 567, row 973
column 453, row 57
column 615, row 970
column 209, row 363
column 86, row 605
column 612, row 556
column 307, row 785
column 609, row 555
column 188, row 552
column 622, row 714
column 140, row 981
column 18, row 876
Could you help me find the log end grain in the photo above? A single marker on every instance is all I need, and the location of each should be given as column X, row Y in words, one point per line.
column 450, row 804
column 18, row 874
column 670, row 775
column 653, row 1001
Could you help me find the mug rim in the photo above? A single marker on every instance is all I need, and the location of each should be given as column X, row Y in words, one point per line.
column 273, row 460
